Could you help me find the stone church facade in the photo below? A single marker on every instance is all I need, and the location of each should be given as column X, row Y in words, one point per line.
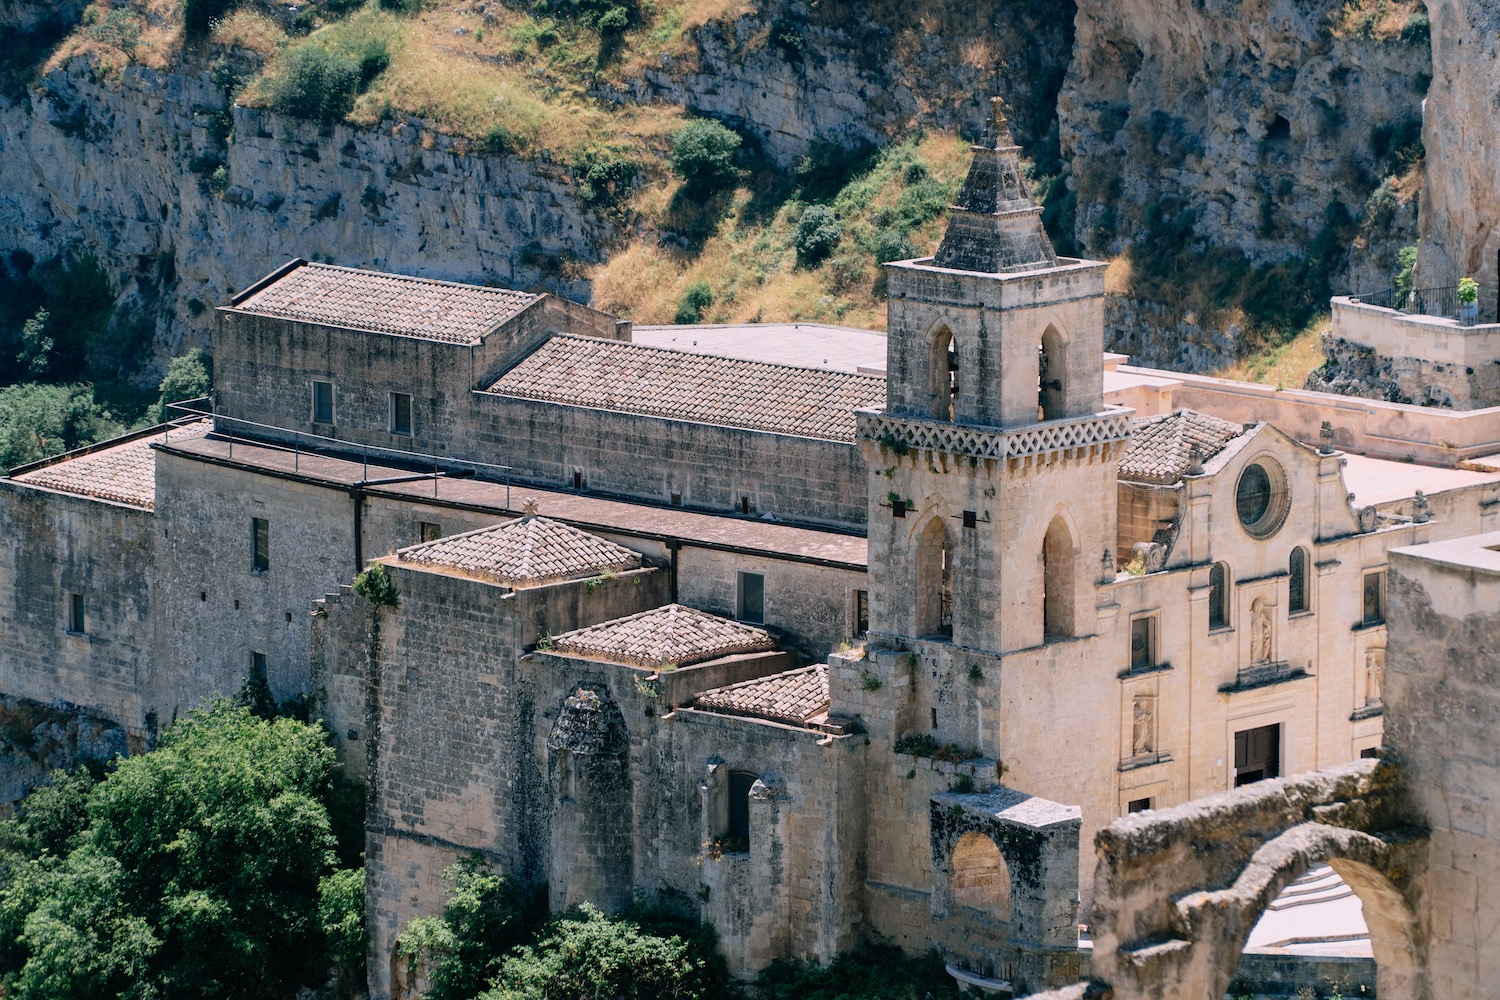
column 818, row 654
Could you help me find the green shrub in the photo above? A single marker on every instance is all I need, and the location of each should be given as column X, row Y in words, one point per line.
column 188, row 377
column 703, row 153
column 875, row 972
column 376, row 586
column 604, row 175
column 892, row 244
column 818, row 232
column 830, row 165
column 613, row 21
column 341, row 917
column 38, row 421
column 1380, row 207
column 315, row 84
column 1406, row 265
column 1418, row 27
column 698, row 297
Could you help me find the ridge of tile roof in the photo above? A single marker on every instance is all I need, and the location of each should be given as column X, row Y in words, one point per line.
column 526, row 552
column 123, row 473
column 793, row 696
column 1161, row 447
column 702, row 388
column 669, row 635
column 397, row 304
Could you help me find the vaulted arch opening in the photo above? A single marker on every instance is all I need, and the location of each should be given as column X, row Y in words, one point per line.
column 942, row 368
column 1057, row 581
column 980, row 878
column 934, row 583
column 1052, row 376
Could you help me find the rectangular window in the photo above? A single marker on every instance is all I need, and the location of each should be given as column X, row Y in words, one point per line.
column 1143, row 643
column 861, row 612
column 76, row 620
column 1138, row 805
column 1374, row 599
column 1257, row 754
column 258, row 667
column 260, row 530
column 322, row 402
column 751, row 603
column 401, row 413
column 430, row 532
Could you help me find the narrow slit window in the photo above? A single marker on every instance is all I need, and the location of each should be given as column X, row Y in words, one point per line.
column 751, row 603
column 1143, row 643
column 401, row 413
column 76, row 620
column 260, row 531
column 1297, row 582
column 322, row 402
column 1374, row 599
column 861, row 612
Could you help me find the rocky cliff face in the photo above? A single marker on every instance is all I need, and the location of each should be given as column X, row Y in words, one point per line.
column 799, row 70
column 108, row 165
column 1255, row 116
column 1461, row 197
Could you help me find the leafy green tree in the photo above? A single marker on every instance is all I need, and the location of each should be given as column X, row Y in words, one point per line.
column 875, row 972
column 52, row 818
column 818, row 232
column 703, row 153
column 698, row 297
column 315, row 84
column 486, row 915
column 589, row 955
column 188, row 377
column 36, row 347
column 37, row 421
column 198, row 874
column 341, row 915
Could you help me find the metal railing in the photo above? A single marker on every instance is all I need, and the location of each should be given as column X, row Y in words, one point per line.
column 318, row 444
column 1441, row 301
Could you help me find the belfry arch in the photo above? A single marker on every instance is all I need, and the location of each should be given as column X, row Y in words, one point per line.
column 942, row 368
column 1058, row 591
column 1052, row 375
column 934, row 580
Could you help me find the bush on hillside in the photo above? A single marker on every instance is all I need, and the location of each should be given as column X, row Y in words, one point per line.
column 188, row 377
column 818, row 232
column 703, row 153
column 698, row 297
column 315, row 84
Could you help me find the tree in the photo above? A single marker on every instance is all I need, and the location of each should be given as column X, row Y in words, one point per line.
column 341, row 915
column 703, row 154
column 589, row 955
column 37, row 421
column 198, row 873
column 315, row 84
column 188, row 377
column 698, row 297
column 818, row 232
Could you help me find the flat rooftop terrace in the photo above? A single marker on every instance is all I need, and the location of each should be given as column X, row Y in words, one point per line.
column 804, row 345
column 590, row 512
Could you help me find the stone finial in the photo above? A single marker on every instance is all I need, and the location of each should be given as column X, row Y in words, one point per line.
column 1107, row 566
column 997, row 117
column 1325, row 438
column 1421, row 512
column 1195, row 460
column 529, row 507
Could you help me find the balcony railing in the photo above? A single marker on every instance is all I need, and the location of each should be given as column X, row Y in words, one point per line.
column 1441, row 301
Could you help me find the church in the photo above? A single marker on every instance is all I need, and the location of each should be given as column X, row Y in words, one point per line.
column 867, row 641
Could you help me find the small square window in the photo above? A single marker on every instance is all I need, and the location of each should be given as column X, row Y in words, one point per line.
column 401, row 413
column 76, row 620
column 430, row 531
column 257, row 666
column 1369, row 753
column 1374, row 599
column 861, row 612
column 1138, row 805
column 322, row 402
column 750, row 604
column 260, row 530
column 1143, row 643
column 676, row 499
column 898, row 508
column 970, row 519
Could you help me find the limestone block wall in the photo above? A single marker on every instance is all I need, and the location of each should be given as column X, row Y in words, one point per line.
column 709, row 467
column 214, row 609
column 53, row 545
column 1440, row 725
column 343, row 693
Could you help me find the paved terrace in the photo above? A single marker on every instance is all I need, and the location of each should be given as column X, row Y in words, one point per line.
column 594, row 513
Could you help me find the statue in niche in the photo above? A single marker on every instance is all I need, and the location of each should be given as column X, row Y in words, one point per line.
column 1143, row 727
column 1374, row 676
column 1261, row 646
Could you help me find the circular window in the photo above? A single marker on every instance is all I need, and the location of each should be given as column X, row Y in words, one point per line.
column 1260, row 498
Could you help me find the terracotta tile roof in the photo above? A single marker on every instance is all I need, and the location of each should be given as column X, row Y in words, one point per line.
column 386, row 303
column 1161, row 447
column 669, row 635
column 632, row 378
column 528, row 551
column 795, row 696
column 124, row 473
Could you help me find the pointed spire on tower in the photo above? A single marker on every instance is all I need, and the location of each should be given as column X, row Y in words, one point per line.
column 996, row 227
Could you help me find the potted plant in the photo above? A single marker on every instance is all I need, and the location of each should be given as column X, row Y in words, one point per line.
column 1468, row 300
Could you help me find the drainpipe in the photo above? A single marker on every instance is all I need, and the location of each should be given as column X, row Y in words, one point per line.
column 674, row 546
column 357, row 494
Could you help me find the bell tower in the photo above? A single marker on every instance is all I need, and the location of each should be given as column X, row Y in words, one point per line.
column 993, row 465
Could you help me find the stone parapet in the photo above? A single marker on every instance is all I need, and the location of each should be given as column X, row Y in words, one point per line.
column 1070, row 435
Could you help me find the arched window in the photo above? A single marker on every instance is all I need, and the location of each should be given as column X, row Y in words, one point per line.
column 1052, row 361
column 737, row 835
column 980, row 878
column 934, row 597
column 943, row 373
column 1057, row 581
column 1297, row 581
column 1218, row 596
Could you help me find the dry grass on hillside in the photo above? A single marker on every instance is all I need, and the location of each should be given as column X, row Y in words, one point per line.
column 1285, row 366
column 1382, row 20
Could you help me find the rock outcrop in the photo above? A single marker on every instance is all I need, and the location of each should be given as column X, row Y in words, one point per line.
column 1258, row 117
